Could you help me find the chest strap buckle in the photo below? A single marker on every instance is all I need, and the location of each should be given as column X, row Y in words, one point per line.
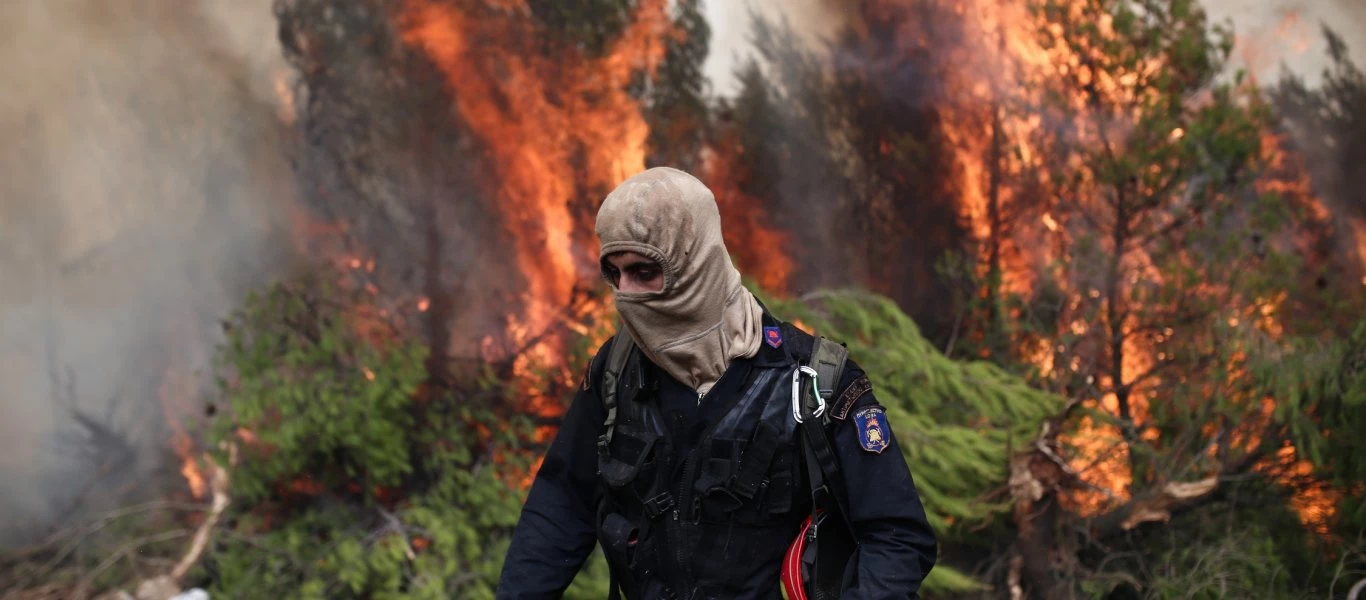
column 660, row 504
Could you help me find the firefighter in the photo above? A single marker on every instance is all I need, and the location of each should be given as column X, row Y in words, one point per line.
column 688, row 469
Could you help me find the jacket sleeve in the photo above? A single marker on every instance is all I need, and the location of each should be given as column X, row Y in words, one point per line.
column 555, row 533
column 897, row 546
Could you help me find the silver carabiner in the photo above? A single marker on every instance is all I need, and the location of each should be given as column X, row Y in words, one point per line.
column 797, row 393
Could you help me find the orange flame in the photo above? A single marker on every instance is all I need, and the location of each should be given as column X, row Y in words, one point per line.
column 539, row 119
column 189, row 468
column 559, row 132
column 535, row 133
column 760, row 249
column 286, row 111
column 1007, row 63
column 176, row 392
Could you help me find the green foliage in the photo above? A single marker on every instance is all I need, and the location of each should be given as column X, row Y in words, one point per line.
column 1239, row 564
column 956, row 421
column 1330, row 126
column 1219, row 553
column 355, row 481
column 1335, row 443
column 302, row 383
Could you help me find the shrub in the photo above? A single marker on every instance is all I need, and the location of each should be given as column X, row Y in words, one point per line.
column 355, row 477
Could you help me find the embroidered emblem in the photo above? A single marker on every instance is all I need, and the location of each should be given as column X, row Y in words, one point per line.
column 851, row 395
column 773, row 336
column 872, row 429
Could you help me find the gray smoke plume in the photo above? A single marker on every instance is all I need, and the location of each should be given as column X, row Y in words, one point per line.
column 1276, row 34
column 732, row 26
column 1270, row 32
column 143, row 190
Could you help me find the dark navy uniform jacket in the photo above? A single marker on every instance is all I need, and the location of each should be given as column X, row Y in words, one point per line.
column 557, row 530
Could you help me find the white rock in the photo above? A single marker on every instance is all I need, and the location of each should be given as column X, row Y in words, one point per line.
column 157, row 588
column 192, row 594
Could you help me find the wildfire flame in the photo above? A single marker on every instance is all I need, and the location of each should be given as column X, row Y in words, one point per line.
column 539, row 119
column 1001, row 61
column 760, row 249
column 177, row 395
column 286, row 111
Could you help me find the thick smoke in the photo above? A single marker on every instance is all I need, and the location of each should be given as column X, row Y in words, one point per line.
column 1271, row 32
column 142, row 192
column 1276, row 34
column 732, row 27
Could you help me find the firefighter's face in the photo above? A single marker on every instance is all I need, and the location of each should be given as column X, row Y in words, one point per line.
column 631, row 272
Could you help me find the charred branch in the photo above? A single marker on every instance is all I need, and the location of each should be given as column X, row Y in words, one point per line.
column 1153, row 506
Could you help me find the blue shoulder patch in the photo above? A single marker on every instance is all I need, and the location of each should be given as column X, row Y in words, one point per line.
column 773, row 336
column 872, row 429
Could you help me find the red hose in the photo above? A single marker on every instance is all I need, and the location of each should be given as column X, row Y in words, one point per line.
column 792, row 565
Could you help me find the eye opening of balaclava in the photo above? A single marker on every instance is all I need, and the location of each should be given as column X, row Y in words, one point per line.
column 649, row 252
column 703, row 318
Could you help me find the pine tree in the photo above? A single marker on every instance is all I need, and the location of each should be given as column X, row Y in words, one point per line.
column 1156, row 209
column 1328, row 125
column 851, row 153
column 1327, row 128
column 676, row 104
column 1174, row 287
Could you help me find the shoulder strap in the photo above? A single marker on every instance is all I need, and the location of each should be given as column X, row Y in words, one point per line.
column 827, row 358
column 622, row 345
column 617, row 357
column 835, row 543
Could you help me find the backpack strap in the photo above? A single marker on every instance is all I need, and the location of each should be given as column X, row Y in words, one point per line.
column 622, row 345
column 834, row 545
column 827, row 358
column 617, row 357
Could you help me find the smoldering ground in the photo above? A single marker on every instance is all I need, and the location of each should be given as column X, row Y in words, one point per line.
column 143, row 190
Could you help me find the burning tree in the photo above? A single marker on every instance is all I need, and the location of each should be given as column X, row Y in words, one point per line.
column 1165, row 311
column 1141, row 243
column 1167, row 273
column 1328, row 126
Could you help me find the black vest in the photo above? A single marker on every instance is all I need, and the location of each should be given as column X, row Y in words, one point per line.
column 716, row 522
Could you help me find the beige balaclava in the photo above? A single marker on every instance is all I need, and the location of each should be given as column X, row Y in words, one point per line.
column 704, row 317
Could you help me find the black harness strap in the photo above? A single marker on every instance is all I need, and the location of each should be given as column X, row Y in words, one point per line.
column 611, row 374
column 827, row 479
column 617, row 357
column 831, row 542
column 828, row 358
